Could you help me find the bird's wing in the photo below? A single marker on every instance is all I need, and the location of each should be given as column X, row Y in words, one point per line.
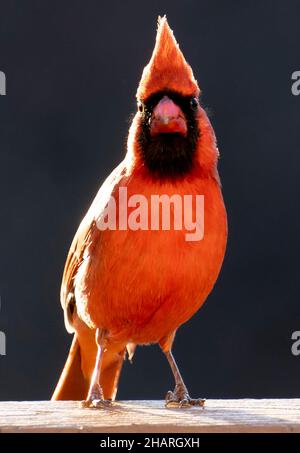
column 86, row 232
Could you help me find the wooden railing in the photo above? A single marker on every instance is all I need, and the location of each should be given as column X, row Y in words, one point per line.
column 246, row 415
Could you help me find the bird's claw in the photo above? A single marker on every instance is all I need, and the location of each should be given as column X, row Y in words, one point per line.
column 96, row 403
column 181, row 399
column 95, row 399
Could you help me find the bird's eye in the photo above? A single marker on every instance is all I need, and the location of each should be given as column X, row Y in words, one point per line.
column 140, row 107
column 194, row 104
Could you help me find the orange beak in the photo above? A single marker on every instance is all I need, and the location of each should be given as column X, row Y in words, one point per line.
column 167, row 117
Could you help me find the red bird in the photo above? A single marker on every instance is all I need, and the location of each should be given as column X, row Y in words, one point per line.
column 124, row 287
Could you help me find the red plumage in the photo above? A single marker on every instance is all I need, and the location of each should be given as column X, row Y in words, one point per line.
column 139, row 286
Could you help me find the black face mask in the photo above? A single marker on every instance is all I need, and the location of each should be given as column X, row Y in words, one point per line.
column 169, row 155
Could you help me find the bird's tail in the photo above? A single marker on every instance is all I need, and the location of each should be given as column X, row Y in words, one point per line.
column 72, row 384
column 74, row 381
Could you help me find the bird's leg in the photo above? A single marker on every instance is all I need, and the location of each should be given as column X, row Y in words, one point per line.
column 95, row 395
column 180, row 396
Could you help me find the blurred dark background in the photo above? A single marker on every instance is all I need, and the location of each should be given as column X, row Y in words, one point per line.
column 72, row 70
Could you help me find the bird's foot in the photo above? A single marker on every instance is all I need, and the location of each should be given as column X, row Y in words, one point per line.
column 181, row 398
column 95, row 399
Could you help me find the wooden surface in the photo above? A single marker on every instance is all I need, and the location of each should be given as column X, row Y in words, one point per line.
column 245, row 415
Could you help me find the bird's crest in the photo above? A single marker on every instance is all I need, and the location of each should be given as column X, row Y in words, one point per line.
column 167, row 68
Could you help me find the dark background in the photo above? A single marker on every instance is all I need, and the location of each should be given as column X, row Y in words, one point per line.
column 72, row 70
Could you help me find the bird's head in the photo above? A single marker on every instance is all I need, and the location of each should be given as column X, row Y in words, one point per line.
column 170, row 134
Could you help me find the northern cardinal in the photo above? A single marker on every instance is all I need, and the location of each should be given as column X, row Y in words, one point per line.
column 124, row 287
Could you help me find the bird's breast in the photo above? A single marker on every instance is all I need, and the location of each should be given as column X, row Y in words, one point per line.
column 141, row 284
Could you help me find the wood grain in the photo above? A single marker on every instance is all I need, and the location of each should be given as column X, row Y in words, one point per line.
column 245, row 415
